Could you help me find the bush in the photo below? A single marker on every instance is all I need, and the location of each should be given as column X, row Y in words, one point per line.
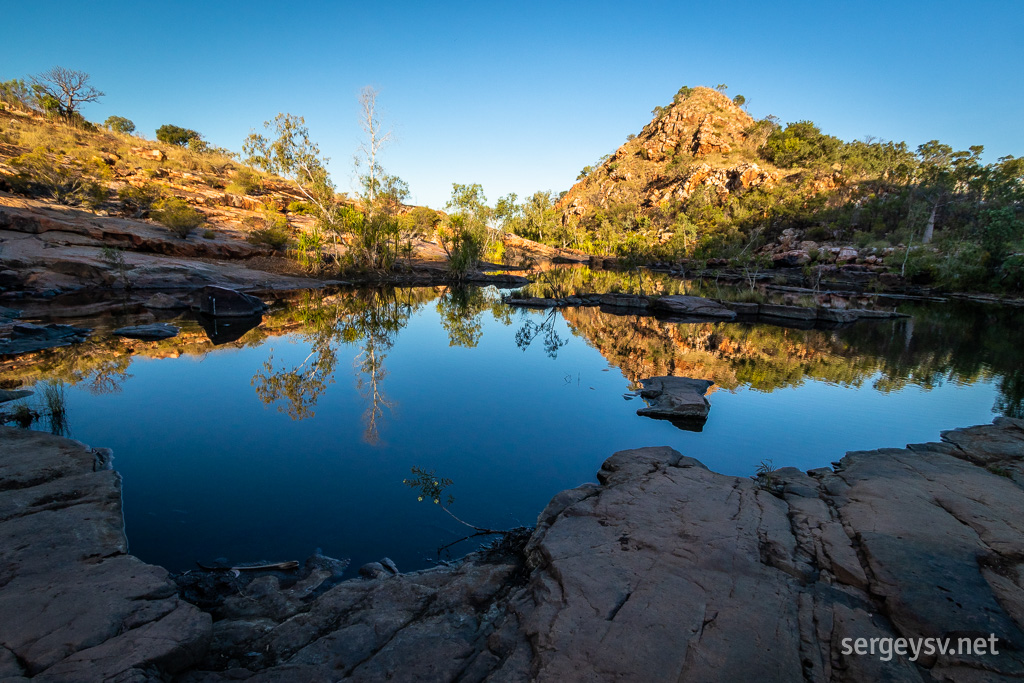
column 175, row 135
column 38, row 174
column 177, row 216
column 245, row 182
column 300, row 208
column 120, row 124
column 273, row 237
column 141, row 198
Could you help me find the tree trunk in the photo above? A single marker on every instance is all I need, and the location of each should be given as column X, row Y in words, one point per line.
column 929, row 229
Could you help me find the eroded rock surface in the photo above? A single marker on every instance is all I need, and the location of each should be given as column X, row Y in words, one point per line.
column 75, row 605
column 676, row 398
column 666, row 571
column 663, row 571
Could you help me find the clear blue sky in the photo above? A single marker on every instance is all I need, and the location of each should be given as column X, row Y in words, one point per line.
column 520, row 96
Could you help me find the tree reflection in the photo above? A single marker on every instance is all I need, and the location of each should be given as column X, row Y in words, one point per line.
column 461, row 310
column 546, row 330
column 370, row 318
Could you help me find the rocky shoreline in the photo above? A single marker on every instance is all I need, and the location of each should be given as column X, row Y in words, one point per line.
column 663, row 570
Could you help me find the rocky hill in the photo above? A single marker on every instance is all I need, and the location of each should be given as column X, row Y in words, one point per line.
column 702, row 140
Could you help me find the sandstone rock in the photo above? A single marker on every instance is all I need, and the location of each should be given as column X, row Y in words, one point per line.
column 796, row 257
column 228, row 303
column 699, row 307
column 788, row 312
column 154, row 154
column 634, row 301
column 164, row 301
column 676, row 398
column 150, row 332
column 87, row 610
column 846, row 255
column 534, row 302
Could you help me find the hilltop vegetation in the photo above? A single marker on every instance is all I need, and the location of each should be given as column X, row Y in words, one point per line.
column 704, row 180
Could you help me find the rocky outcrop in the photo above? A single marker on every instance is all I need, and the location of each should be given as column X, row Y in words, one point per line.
column 692, row 306
column 76, row 606
column 697, row 143
column 148, row 332
column 685, row 308
column 679, row 399
column 27, row 337
column 661, row 571
column 221, row 302
column 666, row 571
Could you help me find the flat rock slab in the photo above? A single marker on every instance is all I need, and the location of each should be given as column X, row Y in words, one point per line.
column 27, row 338
column 85, row 609
column 666, row 571
column 698, row 307
column 13, row 394
column 151, row 332
column 662, row 571
column 676, row 398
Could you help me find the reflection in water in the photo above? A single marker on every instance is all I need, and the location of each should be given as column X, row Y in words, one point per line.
column 545, row 329
column 938, row 344
column 461, row 310
column 372, row 318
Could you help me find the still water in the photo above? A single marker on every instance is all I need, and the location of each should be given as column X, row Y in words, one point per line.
column 299, row 434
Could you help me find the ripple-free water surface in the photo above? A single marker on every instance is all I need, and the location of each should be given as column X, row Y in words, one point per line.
column 222, row 458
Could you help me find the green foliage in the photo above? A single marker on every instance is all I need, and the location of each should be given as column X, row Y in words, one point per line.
column 801, row 144
column 140, row 199
column 41, row 174
column 421, row 222
column 465, row 235
column 739, row 100
column 177, row 216
column 300, row 208
column 273, row 230
column 176, row 135
column 245, row 182
column 120, row 124
column 15, row 93
column 429, row 486
column 114, row 258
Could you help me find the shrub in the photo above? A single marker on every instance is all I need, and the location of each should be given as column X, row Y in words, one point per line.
column 245, row 182
column 300, row 208
column 39, row 174
column 209, row 235
column 140, row 198
column 271, row 230
column 120, row 124
column 273, row 237
column 177, row 216
column 175, row 135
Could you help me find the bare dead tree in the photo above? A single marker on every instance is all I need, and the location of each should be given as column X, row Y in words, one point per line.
column 376, row 138
column 69, row 89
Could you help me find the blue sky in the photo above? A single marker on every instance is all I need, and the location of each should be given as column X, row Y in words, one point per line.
column 520, row 96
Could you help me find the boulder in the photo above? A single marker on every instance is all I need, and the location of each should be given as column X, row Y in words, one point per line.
column 846, row 255
column 796, row 257
column 692, row 306
column 164, row 301
column 222, row 302
column 676, row 398
column 151, row 332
